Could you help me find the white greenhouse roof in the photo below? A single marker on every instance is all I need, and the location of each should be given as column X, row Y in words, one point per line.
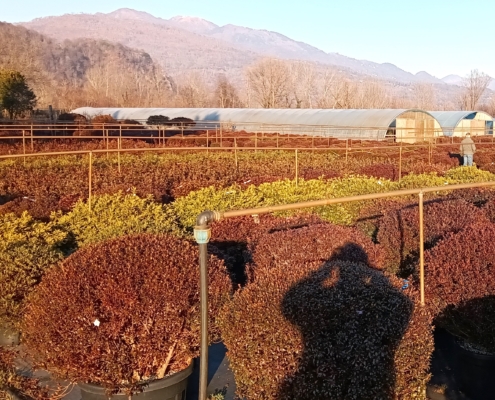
column 450, row 119
column 362, row 123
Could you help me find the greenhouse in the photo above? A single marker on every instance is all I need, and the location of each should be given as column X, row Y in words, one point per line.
column 458, row 123
column 376, row 124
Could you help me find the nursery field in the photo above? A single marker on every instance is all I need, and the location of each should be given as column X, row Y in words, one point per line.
column 321, row 303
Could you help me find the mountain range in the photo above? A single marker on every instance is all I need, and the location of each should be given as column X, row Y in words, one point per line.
column 189, row 43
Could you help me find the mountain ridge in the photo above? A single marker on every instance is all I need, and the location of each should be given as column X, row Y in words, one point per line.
column 244, row 44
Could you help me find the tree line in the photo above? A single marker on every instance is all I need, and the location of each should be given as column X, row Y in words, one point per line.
column 101, row 74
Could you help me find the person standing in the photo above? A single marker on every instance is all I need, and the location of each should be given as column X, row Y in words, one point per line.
column 467, row 150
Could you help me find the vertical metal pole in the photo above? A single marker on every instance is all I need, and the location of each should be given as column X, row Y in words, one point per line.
column 118, row 153
column 120, row 134
column 24, row 145
column 207, row 140
column 89, row 179
column 400, row 161
column 203, row 367
column 235, row 155
column 421, row 250
column 182, row 128
column 255, row 141
column 277, row 139
column 32, row 139
column 429, row 153
column 221, row 135
column 297, row 170
column 346, row 149
column 107, row 140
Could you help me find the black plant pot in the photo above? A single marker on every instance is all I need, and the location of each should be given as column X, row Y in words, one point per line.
column 171, row 387
column 475, row 374
column 8, row 336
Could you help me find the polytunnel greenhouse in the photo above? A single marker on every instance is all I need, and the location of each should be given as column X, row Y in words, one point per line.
column 458, row 123
column 376, row 124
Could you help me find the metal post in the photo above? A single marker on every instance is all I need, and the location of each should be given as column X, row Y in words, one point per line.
column 89, row 178
column 202, row 233
column 118, row 153
column 203, row 367
column 221, row 135
column 182, row 129
column 32, row 139
column 107, row 140
column 346, row 149
column 429, row 153
column 277, row 139
column 24, row 146
column 400, row 161
column 421, row 250
column 297, row 170
column 235, row 155
column 207, row 140
column 255, row 141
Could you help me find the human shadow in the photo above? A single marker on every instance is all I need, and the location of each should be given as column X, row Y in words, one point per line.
column 351, row 319
column 457, row 156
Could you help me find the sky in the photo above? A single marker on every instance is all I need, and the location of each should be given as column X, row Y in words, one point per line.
column 441, row 37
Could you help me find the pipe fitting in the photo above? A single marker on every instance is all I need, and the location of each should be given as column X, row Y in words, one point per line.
column 202, row 230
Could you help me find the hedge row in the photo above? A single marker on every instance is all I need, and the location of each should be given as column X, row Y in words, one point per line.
column 46, row 184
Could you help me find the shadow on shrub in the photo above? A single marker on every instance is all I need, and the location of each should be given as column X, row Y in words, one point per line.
column 337, row 329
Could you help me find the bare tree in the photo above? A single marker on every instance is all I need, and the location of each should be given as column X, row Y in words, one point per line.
column 226, row 94
column 424, row 96
column 193, row 91
column 474, row 85
column 268, row 83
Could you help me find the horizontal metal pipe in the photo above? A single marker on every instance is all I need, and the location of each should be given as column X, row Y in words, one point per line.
column 326, row 202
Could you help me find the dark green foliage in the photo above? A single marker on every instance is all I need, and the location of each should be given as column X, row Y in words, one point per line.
column 15, row 95
column 157, row 120
column 113, row 312
column 398, row 233
column 459, row 283
column 182, row 121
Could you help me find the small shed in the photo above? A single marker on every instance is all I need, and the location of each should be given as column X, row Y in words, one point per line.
column 458, row 123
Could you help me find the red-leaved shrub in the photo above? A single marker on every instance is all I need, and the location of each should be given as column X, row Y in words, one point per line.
column 459, row 284
column 398, row 233
column 114, row 312
column 231, row 238
column 326, row 330
column 316, row 243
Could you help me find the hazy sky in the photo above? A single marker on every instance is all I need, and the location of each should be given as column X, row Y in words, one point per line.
column 438, row 36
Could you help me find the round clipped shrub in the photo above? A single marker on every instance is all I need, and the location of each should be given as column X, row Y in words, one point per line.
column 232, row 238
column 27, row 249
column 114, row 215
column 458, row 277
column 122, row 312
column 103, row 119
column 398, row 233
column 332, row 330
column 316, row 243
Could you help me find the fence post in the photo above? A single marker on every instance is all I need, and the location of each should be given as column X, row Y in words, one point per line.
column 118, row 153
column 400, row 161
column 207, row 140
column 255, row 141
column 297, row 170
column 277, row 139
column 107, row 140
column 221, row 135
column 32, row 139
column 429, row 153
column 235, row 155
column 346, row 149
column 24, row 146
column 421, row 251
column 89, row 179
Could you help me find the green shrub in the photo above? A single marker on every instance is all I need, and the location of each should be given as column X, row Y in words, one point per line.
column 468, row 174
column 113, row 312
column 413, row 181
column 281, row 192
column 27, row 249
column 112, row 216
